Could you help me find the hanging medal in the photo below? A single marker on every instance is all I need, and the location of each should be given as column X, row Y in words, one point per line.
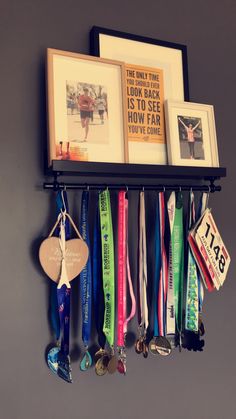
column 177, row 264
column 160, row 344
column 141, row 344
column 52, row 355
column 192, row 296
column 86, row 287
column 123, row 273
column 170, row 307
column 62, row 261
column 63, row 297
column 108, row 361
column 97, row 287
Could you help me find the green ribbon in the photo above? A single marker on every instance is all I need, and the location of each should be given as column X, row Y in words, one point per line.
column 177, row 244
column 108, row 267
column 192, row 298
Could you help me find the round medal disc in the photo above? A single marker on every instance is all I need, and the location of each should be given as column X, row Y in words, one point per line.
column 152, row 346
column 163, row 346
column 112, row 365
column 101, row 365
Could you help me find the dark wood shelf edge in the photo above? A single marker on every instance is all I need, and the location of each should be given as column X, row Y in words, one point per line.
column 67, row 167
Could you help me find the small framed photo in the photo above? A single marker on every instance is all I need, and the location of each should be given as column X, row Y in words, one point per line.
column 191, row 134
column 86, row 108
column 156, row 70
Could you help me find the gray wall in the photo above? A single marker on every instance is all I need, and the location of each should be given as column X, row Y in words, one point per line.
column 187, row 385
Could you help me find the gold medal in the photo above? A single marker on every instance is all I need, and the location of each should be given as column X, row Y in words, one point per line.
column 102, row 364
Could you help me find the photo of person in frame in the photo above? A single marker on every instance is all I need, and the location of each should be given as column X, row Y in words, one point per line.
column 191, row 138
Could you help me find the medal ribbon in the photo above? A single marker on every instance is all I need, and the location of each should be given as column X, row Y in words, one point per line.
column 163, row 282
column 123, row 271
column 192, row 297
column 177, row 245
column 98, row 296
column 86, row 275
column 170, row 315
column 122, row 250
column 157, row 268
column 63, row 297
column 108, row 268
column 143, row 321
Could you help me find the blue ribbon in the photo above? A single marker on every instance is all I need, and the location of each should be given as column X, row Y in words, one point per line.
column 86, row 275
column 157, row 267
column 63, row 296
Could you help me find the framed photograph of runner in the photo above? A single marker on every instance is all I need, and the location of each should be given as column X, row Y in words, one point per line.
column 155, row 71
column 191, row 134
column 86, row 108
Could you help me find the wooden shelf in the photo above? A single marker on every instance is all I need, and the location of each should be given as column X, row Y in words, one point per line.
column 138, row 171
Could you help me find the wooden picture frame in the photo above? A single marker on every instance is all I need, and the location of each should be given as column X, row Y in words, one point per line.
column 146, row 56
column 191, row 134
column 86, row 108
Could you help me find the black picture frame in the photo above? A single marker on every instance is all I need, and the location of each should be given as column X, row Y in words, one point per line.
column 95, row 48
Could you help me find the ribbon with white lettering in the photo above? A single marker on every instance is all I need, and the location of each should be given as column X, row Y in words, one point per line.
column 170, row 314
column 63, row 296
column 86, row 286
column 192, row 297
column 177, row 245
column 108, row 269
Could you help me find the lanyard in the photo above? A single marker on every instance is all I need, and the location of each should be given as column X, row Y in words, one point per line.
column 192, row 298
column 143, row 320
column 108, row 269
column 122, row 278
column 98, row 296
column 163, row 282
column 177, row 251
column 123, row 274
column 63, row 297
column 157, row 268
column 85, row 275
column 170, row 310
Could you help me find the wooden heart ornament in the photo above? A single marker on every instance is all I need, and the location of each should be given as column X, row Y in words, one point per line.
column 50, row 256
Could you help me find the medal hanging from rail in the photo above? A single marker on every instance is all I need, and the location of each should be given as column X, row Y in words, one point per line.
column 107, row 361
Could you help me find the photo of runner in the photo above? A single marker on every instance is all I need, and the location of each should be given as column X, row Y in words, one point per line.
column 87, row 112
column 191, row 138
